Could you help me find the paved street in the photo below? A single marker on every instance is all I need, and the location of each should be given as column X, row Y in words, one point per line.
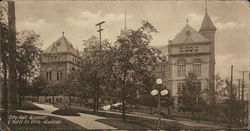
column 84, row 120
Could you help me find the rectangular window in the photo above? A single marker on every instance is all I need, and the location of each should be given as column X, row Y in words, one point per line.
column 179, row 100
column 50, row 75
column 47, row 75
column 179, row 86
column 57, row 76
column 181, row 70
column 191, row 49
column 181, row 49
column 196, row 49
column 186, row 49
column 197, row 69
column 199, row 86
column 61, row 75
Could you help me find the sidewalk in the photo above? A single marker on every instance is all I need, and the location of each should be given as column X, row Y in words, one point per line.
column 85, row 120
column 148, row 116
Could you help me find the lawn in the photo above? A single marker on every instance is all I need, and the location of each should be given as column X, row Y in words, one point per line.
column 27, row 105
column 25, row 122
column 137, row 122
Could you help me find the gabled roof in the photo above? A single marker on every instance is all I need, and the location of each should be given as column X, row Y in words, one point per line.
column 62, row 45
column 189, row 35
column 207, row 23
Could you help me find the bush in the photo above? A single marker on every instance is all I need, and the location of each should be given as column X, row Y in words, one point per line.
column 66, row 112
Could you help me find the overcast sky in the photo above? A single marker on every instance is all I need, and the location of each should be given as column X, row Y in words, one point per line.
column 77, row 19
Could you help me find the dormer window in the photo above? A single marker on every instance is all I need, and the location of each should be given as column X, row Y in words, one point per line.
column 58, row 44
column 186, row 49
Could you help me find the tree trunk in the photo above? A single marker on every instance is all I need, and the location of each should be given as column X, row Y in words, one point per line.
column 169, row 113
column 69, row 100
column 5, row 89
column 123, row 104
column 97, row 102
column 19, row 99
column 12, row 91
column 94, row 103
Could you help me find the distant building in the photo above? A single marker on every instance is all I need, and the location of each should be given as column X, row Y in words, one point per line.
column 189, row 51
column 59, row 60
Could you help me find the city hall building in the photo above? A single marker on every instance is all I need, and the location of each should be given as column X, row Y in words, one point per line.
column 58, row 61
column 190, row 51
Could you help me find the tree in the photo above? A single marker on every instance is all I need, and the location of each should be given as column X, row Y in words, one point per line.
column 93, row 68
column 12, row 90
column 191, row 93
column 133, row 55
column 69, row 86
column 28, row 52
column 38, row 85
column 3, row 53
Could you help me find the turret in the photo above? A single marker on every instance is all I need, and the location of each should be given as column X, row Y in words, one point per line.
column 208, row 31
column 207, row 28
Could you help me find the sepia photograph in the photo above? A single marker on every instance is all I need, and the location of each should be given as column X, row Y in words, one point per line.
column 124, row 65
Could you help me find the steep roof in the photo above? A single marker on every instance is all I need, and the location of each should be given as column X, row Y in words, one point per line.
column 62, row 45
column 207, row 23
column 189, row 35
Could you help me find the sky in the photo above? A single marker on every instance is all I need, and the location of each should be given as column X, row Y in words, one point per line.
column 77, row 20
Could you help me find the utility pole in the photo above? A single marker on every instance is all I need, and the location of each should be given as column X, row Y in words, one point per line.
column 239, row 88
column 231, row 93
column 96, row 101
column 242, row 95
column 243, row 85
column 100, row 32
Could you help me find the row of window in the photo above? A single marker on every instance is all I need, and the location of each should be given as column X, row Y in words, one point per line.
column 161, row 68
column 189, row 49
column 76, row 60
column 59, row 75
column 181, row 67
column 182, row 86
column 57, row 58
column 197, row 99
column 54, row 58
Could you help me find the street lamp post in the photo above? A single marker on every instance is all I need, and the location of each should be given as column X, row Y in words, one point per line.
column 159, row 93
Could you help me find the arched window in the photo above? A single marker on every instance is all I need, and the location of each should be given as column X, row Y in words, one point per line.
column 49, row 74
column 59, row 73
column 197, row 66
column 181, row 68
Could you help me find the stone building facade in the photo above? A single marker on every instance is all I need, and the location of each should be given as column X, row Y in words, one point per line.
column 59, row 60
column 190, row 51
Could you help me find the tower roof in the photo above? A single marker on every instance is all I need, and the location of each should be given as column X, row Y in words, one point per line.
column 61, row 45
column 207, row 23
column 189, row 35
